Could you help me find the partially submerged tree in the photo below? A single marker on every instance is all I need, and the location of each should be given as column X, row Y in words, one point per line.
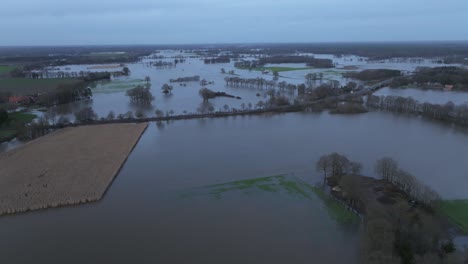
column 147, row 80
column 206, row 94
column 139, row 113
column 140, row 95
column 159, row 113
column 323, row 165
column 126, row 71
column 86, row 115
column 111, row 115
column 166, row 88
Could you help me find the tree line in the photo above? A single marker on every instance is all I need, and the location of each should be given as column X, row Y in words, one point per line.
column 372, row 75
column 163, row 64
column 396, row 229
column 308, row 60
column 195, row 78
column 457, row 114
column 64, row 94
column 140, row 95
column 456, row 76
column 220, row 59
column 388, row 169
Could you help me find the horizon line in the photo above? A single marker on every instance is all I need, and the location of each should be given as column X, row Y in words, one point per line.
column 244, row 43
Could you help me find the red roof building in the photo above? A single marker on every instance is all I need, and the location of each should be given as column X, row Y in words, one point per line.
column 19, row 99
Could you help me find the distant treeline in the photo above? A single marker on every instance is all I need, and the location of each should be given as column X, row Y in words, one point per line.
column 56, row 56
column 195, row 78
column 373, row 75
column 309, row 61
column 247, row 64
column 221, row 59
column 450, row 51
column 455, row 51
column 163, row 64
column 458, row 77
column 457, row 114
column 84, row 75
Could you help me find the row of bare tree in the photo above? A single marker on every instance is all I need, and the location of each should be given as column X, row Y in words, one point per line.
column 446, row 112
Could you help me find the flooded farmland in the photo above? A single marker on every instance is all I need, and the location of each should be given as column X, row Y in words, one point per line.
column 146, row 215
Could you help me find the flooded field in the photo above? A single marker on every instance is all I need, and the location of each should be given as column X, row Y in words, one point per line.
column 147, row 215
column 110, row 96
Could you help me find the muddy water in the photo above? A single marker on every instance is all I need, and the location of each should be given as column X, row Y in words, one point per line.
column 146, row 217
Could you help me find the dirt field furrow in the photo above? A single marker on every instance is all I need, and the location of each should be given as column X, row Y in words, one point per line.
column 70, row 166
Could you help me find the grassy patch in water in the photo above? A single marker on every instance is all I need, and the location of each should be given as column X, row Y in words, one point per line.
column 456, row 211
column 281, row 69
column 335, row 209
column 289, row 185
column 116, row 86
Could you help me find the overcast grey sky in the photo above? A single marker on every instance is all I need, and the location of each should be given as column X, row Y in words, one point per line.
column 66, row 22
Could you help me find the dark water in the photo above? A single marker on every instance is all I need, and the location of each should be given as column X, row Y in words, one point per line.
column 144, row 218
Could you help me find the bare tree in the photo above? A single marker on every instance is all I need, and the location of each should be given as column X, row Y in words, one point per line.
column 111, row 115
column 139, row 113
column 323, row 165
column 387, row 168
column 126, row 71
column 339, row 164
column 166, row 88
column 147, row 80
column 85, row 115
column 206, row 94
column 355, row 168
column 159, row 113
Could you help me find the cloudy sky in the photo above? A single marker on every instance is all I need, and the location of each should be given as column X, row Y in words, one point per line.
column 67, row 22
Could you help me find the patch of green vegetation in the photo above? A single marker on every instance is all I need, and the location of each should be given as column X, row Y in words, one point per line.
column 23, row 86
column 4, row 69
column 281, row 69
column 292, row 186
column 457, row 211
column 335, row 209
column 15, row 121
column 332, row 72
column 6, row 134
column 116, row 86
column 263, row 183
column 22, row 117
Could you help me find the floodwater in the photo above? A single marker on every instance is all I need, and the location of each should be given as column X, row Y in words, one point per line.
column 430, row 96
column 186, row 98
column 145, row 217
